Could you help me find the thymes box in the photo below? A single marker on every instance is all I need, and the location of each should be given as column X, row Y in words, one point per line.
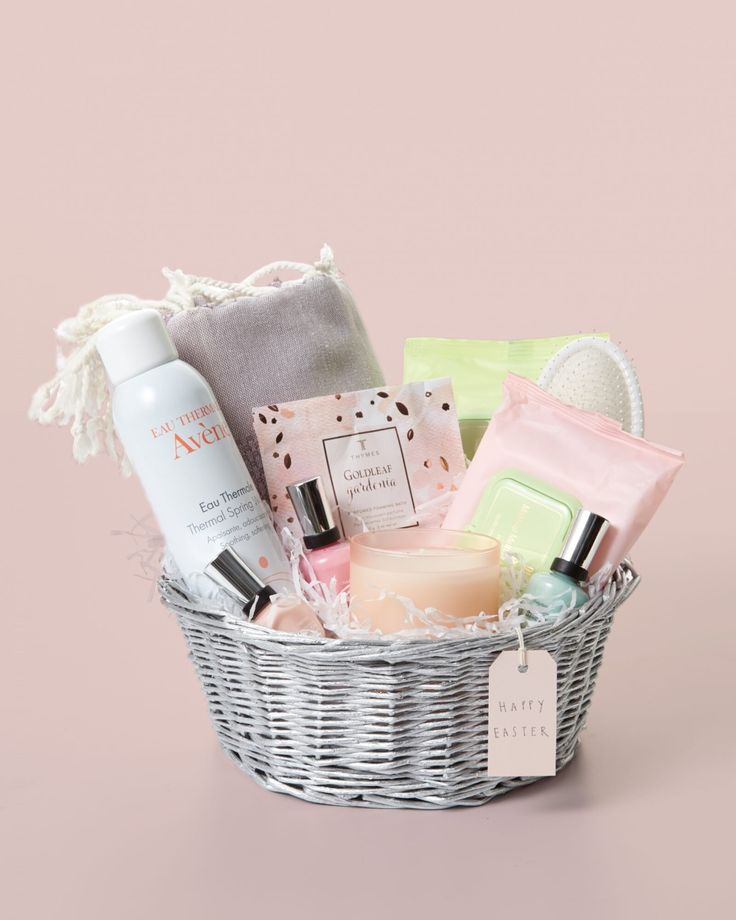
column 386, row 456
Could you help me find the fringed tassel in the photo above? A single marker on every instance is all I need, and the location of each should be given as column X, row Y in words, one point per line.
column 78, row 395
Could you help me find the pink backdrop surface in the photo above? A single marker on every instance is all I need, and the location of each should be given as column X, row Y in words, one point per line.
column 481, row 170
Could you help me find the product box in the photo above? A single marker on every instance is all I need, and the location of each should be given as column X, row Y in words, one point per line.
column 387, row 456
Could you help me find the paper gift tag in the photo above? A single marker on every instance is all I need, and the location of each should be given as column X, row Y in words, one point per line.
column 522, row 715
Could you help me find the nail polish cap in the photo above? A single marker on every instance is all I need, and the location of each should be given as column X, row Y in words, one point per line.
column 586, row 533
column 313, row 511
column 237, row 578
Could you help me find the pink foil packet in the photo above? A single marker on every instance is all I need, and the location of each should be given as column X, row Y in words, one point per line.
column 387, row 456
column 588, row 455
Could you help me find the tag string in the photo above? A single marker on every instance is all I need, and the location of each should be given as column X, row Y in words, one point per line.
column 523, row 666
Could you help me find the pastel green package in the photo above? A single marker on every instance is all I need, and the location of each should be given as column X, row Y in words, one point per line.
column 477, row 368
column 529, row 518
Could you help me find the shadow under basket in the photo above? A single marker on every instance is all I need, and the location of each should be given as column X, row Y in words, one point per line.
column 382, row 723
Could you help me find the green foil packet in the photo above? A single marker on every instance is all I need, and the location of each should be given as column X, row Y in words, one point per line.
column 477, row 368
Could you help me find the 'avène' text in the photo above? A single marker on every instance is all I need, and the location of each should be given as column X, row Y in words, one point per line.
column 203, row 435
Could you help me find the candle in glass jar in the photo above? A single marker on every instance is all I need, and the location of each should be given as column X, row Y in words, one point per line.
column 455, row 572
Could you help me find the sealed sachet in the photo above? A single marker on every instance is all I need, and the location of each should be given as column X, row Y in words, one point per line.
column 588, row 456
column 477, row 368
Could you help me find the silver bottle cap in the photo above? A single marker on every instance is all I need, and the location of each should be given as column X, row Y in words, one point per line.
column 234, row 575
column 313, row 511
column 586, row 533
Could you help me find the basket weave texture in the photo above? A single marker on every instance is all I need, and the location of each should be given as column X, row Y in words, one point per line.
column 382, row 723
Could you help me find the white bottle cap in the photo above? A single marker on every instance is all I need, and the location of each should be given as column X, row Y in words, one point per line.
column 133, row 344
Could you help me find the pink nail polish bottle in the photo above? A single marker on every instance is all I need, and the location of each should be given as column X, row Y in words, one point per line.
column 261, row 603
column 327, row 552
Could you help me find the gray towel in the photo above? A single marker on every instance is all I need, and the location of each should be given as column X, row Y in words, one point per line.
column 284, row 344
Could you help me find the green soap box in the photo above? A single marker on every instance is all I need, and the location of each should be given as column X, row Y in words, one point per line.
column 528, row 517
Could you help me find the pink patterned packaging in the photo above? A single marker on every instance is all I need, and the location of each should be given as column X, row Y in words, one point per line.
column 587, row 455
column 387, row 456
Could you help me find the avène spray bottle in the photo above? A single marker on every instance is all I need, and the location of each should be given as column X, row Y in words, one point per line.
column 179, row 444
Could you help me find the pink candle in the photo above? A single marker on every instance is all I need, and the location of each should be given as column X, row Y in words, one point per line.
column 453, row 571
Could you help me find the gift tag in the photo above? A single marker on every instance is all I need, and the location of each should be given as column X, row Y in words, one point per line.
column 522, row 714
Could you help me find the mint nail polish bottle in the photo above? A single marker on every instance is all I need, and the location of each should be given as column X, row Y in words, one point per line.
column 560, row 589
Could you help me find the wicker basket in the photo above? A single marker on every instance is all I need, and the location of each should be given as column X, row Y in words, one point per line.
column 383, row 723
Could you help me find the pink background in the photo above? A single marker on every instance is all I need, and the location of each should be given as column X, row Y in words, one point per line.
column 481, row 170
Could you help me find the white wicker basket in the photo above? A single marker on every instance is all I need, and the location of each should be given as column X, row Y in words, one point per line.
column 383, row 723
